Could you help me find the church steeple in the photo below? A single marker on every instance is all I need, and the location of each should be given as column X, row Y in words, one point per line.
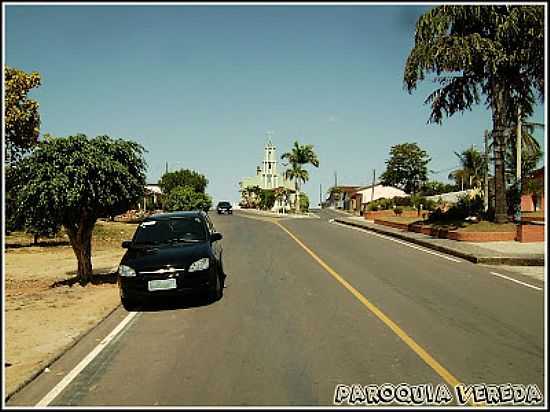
column 270, row 178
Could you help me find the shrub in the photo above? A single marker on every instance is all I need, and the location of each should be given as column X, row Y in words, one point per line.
column 402, row 201
column 465, row 207
column 304, row 202
column 398, row 211
column 267, row 199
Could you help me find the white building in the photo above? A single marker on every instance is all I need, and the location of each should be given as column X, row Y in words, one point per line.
column 365, row 195
column 267, row 176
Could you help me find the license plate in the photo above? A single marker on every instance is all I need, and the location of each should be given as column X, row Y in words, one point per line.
column 162, row 284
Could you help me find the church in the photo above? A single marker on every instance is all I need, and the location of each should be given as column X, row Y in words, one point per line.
column 268, row 178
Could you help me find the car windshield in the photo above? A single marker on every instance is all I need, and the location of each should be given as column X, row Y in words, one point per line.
column 224, row 204
column 181, row 229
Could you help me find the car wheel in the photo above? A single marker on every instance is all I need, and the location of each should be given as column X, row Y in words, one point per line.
column 128, row 304
column 217, row 291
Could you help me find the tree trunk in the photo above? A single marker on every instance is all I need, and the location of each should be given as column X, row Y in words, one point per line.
column 80, row 236
column 297, row 197
column 35, row 239
column 499, row 124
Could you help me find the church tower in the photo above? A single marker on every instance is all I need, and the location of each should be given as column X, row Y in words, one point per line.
column 269, row 169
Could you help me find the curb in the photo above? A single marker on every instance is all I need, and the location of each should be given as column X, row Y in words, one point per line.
column 58, row 355
column 487, row 260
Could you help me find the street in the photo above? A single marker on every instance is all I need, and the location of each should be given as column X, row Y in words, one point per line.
column 308, row 306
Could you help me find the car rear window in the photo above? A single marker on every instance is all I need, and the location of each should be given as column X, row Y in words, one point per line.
column 181, row 228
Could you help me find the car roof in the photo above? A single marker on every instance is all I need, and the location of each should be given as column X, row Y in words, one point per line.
column 223, row 201
column 170, row 215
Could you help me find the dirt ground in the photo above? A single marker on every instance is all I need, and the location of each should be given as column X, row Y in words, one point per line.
column 46, row 310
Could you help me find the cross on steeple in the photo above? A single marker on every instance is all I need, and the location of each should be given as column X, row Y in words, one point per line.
column 269, row 135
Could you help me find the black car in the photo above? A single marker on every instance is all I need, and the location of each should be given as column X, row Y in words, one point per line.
column 171, row 254
column 224, row 207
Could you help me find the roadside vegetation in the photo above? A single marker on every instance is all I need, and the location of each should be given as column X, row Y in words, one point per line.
column 494, row 51
column 254, row 197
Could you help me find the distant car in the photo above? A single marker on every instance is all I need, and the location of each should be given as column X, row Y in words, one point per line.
column 171, row 254
column 224, row 207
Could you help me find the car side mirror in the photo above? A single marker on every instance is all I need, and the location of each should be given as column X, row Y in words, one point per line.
column 215, row 236
column 126, row 244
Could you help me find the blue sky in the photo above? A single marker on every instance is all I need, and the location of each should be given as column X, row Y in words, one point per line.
column 199, row 86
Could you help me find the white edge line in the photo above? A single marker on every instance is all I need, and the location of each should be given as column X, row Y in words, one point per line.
column 399, row 241
column 45, row 401
column 516, row 281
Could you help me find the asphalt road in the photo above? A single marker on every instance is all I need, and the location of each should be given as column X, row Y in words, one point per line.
column 305, row 309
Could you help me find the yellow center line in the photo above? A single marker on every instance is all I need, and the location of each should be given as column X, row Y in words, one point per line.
column 410, row 342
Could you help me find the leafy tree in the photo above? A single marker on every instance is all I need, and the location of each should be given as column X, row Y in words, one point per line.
column 21, row 120
column 406, row 168
column 495, row 50
column 72, row 181
column 282, row 194
column 267, row 199
column 472, row 171
column 433, row 187
column 251, row 195
column 183, row 177
column 299, row 156
column 186, row 198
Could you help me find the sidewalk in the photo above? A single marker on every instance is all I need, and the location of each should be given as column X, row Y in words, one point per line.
column 490, row 253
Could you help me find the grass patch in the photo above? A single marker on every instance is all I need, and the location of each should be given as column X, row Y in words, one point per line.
column 482, row 226
column 485, row 226
column 104, row 232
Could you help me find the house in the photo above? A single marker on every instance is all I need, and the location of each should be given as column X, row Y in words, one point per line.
column 533, row 200
column 364, row 195
column 268, row 178
column 340, row 197
column 151, row 197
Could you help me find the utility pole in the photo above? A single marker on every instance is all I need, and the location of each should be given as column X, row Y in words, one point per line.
column 486, row 173
column 517, row 214
column 166, row 166
column 320, row 195
column 373, row 180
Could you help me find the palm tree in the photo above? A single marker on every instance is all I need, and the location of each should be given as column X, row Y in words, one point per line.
column 497, row 51
column 298, row 174
column 299, row 155
column 531, row 152
column 473, row 166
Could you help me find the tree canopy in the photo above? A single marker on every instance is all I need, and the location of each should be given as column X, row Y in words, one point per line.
column 186, row 198
column 497, row 51
column 73, row 181
column 299, row 156
column 183, row 177
column 21, row 119
column 406, row 168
